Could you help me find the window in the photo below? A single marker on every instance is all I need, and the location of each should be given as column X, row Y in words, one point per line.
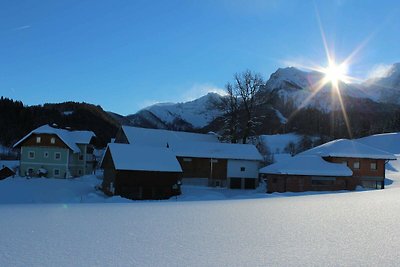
column 57, row 155
column 373, row 165
column 38, row 139
column 213, row 160
column 344, row 163
column 53, row 140
column 242, row 169
column 30, row 171
column 46, row 154
column 80, row 157
column 80, row 172
column 187, row 159
column 356, row 165
column 31, row 154
column 56, row 172
column 323, row 181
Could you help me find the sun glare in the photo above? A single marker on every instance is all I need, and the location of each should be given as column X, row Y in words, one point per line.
column 335, row 73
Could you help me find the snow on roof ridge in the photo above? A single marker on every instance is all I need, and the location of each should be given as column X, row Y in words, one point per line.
column 142, row 158
column 217, row 150
column 162, row 136
column 349, row 148
column 70, row 138
column 307, row 165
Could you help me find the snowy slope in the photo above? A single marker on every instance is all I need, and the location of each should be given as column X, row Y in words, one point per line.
column 387, row 87
column 198, row 113
column 297, row 86
column 276, row 143
column 342, row 229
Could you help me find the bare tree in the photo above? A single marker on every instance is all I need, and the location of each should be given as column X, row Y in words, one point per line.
column 241, row 104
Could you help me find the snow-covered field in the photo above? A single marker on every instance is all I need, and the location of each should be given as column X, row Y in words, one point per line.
column 231, row 228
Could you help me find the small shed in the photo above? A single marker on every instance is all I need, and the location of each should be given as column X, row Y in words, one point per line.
column 6, row 172
column 140, row 172
column 307, row 173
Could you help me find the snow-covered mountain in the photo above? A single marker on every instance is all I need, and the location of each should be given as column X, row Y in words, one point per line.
column 193, row 114
column 385, row 89
column 302, row 89
column 293, row 89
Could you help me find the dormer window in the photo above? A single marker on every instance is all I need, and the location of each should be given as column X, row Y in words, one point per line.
column 38, row 139
column 53, row 140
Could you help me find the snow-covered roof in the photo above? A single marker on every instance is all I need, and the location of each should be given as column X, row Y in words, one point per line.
column 348, row 149
column 160, row 137
column 70, row 138
column 143, row 158
column 307, row 165
column 216, row 150
column 389, row 142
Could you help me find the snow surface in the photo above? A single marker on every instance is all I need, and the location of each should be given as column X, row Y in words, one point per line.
column 348, row 149
column 330, row 229
column 307, row 165
column 143, row 158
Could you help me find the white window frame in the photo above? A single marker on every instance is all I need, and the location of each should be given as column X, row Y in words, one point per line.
column 213, row 160
column 187, row 159
column 53, row 140
column 38, row 139
column 55, row 155
column 375, row 166
column 29, row 154
column 54, row 172
column 356, row 165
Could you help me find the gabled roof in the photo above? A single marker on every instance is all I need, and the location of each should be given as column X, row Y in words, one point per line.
column 160, row 137
column 307, row 165
column 216, row 150
column 70, row 138
column 142, row 158
column 348, row 149
column 389, row 142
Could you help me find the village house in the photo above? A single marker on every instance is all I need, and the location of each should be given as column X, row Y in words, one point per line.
column 140, row 172
column 307, row 173
column 322, row 168
column 204, row 160
column 366, row 162
column 52, row 152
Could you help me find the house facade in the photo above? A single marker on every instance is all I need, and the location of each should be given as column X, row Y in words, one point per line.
column 58, row 153
column 367, row 163
column 137, row 172
column 307, row 173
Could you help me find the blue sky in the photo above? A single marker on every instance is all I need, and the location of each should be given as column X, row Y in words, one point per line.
column 124, row 55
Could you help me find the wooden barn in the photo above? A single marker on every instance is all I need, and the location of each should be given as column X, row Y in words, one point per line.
column 366, row 162
column 139, row 172
column 307, row 173
column 219, row 164
column 6, row 172
column 204, row 160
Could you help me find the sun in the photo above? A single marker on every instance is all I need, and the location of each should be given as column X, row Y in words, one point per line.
column 335, row 73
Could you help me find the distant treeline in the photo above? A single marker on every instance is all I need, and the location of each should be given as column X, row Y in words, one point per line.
column 17, row 120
